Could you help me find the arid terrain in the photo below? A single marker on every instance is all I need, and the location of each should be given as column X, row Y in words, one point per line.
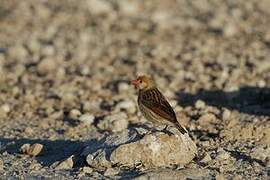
column 65, row 71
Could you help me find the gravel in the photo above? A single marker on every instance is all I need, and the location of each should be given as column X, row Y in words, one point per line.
column 65, row 68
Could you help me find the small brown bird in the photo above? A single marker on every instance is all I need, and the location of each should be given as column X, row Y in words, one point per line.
column 153, row 104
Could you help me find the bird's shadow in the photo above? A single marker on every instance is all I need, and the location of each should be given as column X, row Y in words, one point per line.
column 250, row 100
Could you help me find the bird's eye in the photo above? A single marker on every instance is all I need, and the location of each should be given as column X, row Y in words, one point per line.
column 140, row 81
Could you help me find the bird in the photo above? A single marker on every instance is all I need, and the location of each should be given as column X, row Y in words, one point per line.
column 153, row 105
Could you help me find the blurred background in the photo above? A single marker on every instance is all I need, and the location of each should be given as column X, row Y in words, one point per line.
column 60, row 60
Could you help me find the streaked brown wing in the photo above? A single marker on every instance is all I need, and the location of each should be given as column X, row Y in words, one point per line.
column 155, row 101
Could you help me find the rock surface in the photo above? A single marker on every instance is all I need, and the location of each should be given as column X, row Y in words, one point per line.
column 60, row 60
column 151, row 150
column 155, row 150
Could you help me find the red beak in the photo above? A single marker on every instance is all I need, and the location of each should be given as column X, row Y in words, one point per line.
column 135, row 82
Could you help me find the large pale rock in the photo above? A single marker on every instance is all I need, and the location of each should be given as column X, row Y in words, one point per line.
column 132, row 147
column 156, row 150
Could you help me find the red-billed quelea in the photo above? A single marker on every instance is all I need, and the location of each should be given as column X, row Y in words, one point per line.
column 153, row 104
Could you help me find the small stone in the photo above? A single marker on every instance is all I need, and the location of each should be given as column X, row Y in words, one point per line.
column 127, row 105
column 66, row 164
column 226, row 114
column 1, row 165
column 123, row 87
column 5, row 108
column 222, row 155
column 207, row 118
column 86, row 170
column 206, row 158
column 35, row 149
column 261, row 83
column 230, row 29
column 32, row 150
column 46, row 66
column 25, row 148
column 98, row 159
column 116, row 122
column 29, row 131
column 74, row 114
column 35, row 166
column 99, row 7
column 87, row 118
column 261, row 153
column 200, row 104
column 111, row 172
column 119, row 125
column 220, row 177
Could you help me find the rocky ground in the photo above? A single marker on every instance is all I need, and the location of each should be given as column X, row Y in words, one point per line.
column 67, row 109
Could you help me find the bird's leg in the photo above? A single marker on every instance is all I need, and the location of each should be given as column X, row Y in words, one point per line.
column 151, row 130
column 165, row 129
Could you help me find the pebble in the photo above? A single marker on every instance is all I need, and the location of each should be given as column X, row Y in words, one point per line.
column 220, row 177
column 29, row 131
column 127, row 105
column 32, row 150
column 116, row 122
column 206, row 158
column 226, row 114
column 5, row 108
column 66, row 164
column 122, row 87
column 200, row 104
column 111, row 172
column 86, row 170
column 87, row 118
column 74, row 114
column 1, row 165
column 46, row 66
column 260, row 152
column 207, row 118
column 222, row 154
column 98, row 7
column 119, row 125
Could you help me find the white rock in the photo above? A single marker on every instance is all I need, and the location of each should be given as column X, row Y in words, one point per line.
column 46, row 66
column 32, row 150
column 66, row 164
column 206, row 158
column 98, row 6
column 86, row 170
column 156, row 150
column 74, row 114
column 87, row 118
column 226, row 114
column 127, row 105
column 116, row 122
column 222, row 155
column 200, row 104
column 111, row 172
column 261, row 153
column 1, row 165
column 119, row 125
column 123, row 87
column 5, row 108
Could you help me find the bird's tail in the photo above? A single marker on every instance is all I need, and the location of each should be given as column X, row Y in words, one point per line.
column 187, row 139
column 181, row 128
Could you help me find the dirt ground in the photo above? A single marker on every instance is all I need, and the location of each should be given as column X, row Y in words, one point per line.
column 63, row 59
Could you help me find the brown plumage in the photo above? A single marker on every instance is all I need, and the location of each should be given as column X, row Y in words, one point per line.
column 153, row 104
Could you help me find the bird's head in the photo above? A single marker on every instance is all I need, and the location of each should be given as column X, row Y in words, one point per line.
column 143, row 83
